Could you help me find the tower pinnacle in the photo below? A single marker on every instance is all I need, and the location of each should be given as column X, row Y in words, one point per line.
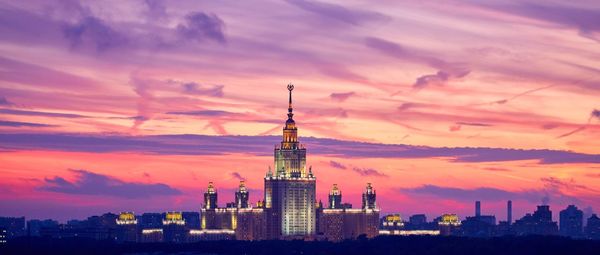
column 290, row 87
column 290, row 132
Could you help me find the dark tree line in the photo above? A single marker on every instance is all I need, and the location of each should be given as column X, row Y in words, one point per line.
column 362, row 246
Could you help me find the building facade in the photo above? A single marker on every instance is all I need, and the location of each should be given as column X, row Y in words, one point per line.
column 336, row 224
column 571, row 222
column 538, row 223
column 592, row 228
column 290, row 191
column 335, row 198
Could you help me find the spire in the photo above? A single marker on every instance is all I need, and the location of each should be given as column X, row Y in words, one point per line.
column 335, row 190
column 290, row 87
column 242, row 186
column 290, row 133
column 211, row 187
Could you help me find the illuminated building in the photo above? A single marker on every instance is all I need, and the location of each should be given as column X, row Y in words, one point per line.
column 538, row 223
column 239, row 218
column 194, row 235
column 192, row 219
column 210, row 197
column 3, row 236
column 290, row 191
column 152, row 235
column 173, row 218
column 127, row 228
column 592, row 228
column 288, row 211
column 174, row 227
column 211, row 217
column 251, row 224
column 448, row 224
column 336, row 224
column 218, row 218
column 571, row 222
column 242, row 196
column 335, row 198
column 340, row 224
column 14, row 226
column 126, row 218
column 368, row 198
column 421, row 232
column 392, row 222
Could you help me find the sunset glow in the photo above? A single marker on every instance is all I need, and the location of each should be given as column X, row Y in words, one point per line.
column 110, row 106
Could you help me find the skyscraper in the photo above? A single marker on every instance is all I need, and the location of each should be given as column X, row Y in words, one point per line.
column 571, row 222
column 477, row 208
column 290, row 191
column 241, row 196
column 368, row 199
column 335, row 198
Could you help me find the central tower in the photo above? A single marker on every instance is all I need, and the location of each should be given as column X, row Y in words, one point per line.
column 290, row 190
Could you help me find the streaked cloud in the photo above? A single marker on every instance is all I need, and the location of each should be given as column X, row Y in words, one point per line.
column 220, row 145
column 337, row 165
column 39, row 113
column 6, row 123
column 490, row 194
column 341, row 97
column 89, row 183
column 368, row 172
column 338, row 12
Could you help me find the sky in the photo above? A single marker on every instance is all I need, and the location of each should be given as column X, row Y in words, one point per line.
column 109, row 106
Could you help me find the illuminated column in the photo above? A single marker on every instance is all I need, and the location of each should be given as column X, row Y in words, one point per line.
column 210, row 197
column 241, row 196
column 369, row 197
column 335, row 198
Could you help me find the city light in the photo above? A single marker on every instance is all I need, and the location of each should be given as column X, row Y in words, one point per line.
column 151, row 231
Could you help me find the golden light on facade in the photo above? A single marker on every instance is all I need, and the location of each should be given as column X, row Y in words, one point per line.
column 393, row 220
column 335, row 190
column 409, row 232
column 211, row 231
column 126, row 218
column 449, row 220
column 233, row 220
column 151, row 231
column 174, row 218
column 211, row 188
column 349, row 210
